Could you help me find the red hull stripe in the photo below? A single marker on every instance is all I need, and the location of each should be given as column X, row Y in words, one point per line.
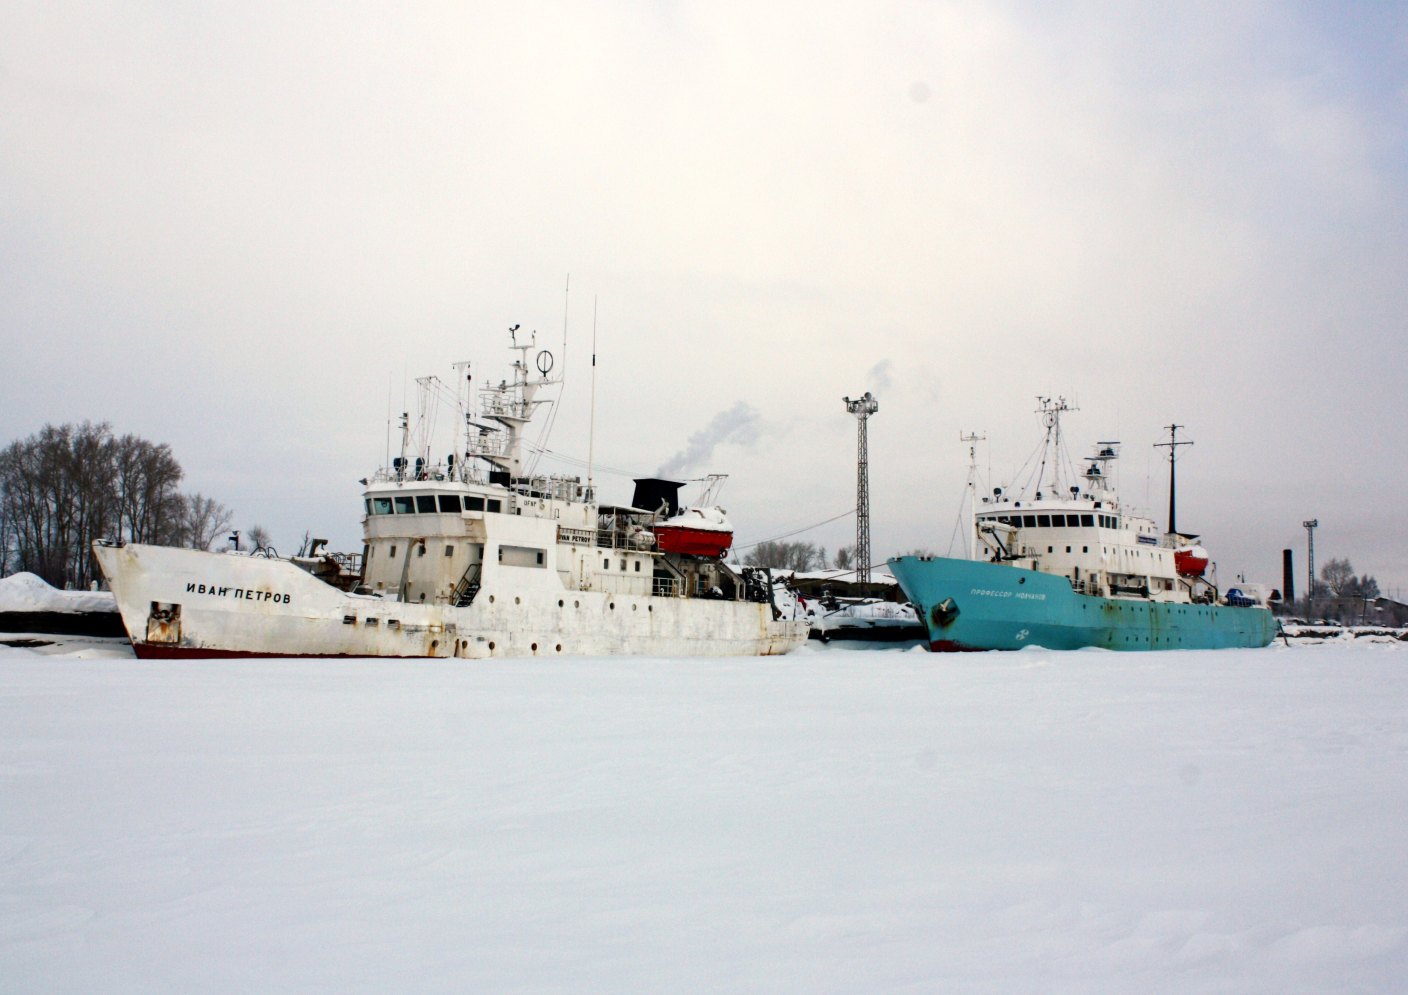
column 157, row 651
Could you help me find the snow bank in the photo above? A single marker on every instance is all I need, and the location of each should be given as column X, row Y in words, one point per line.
column 25, row 592
column 829, row 821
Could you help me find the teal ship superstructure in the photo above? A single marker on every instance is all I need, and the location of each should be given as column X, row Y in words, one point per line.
column 1065, row 566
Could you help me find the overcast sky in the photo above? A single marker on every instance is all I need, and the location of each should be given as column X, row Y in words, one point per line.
column 243, row 228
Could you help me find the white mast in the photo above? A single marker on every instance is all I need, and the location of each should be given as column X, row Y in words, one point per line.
column 512, row 404
column 972, row 438
column 591, row 429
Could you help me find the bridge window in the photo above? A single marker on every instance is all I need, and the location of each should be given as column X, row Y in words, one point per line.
column 404, row 504
column 381, row 506
column 1029, row 521
column 450, row 503
column 520, row 556
column 474, row 503
column 1087, row 520
column 425, row 504
column 495, row 506
column 1043, row 521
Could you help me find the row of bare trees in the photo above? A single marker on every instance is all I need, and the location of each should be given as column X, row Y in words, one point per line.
column 1341, row 595
column 67, row 485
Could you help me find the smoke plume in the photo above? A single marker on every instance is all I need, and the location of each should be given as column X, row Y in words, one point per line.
column 738, row 424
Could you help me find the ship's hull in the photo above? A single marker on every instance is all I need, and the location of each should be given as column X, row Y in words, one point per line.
column 186, row 603
column 972, row 605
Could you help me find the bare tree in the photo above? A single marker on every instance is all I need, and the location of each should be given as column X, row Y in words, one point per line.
column 794, row 556
column 150, row 508
column 7, row 539
column 257, row 537
column 845, row 557
column 1338, row 575
column 204, row 520
column 67, row 485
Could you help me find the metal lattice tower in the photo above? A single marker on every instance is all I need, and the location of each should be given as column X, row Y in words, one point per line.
column 1311, row 524
column 863, row 407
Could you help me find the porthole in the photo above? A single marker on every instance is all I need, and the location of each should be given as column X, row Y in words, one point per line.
column 491, row 645
column 434, row 645
column 612, row 606
column 534, row 647
column 576, row 604
column 559, row 647
column 491, row 599
column 634, row 607
column 518, row 601
column 560, row 603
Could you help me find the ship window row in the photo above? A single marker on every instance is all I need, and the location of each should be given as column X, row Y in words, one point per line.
column 430, row 504
column 1055, row 521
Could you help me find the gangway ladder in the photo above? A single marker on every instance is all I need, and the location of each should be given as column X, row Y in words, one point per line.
column 467, row 587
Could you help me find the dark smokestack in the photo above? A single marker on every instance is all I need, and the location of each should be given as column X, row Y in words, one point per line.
column 1288, row 578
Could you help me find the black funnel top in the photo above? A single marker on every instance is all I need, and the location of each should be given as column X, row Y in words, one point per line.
column 652, row 492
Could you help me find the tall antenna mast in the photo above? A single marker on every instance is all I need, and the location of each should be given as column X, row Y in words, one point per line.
column 566, row 302
column 591, row 429
column 1172, row 446
column 1052, row 447
column 863, row 407
column 972, row 438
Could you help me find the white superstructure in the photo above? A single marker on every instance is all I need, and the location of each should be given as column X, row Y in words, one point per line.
column 1075, row 526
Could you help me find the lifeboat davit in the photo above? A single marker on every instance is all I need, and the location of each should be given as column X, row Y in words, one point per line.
column 1190, row 561
column 695, row 532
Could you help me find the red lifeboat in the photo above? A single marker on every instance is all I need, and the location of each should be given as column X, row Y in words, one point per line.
column 695, row 532
column 1190, row 561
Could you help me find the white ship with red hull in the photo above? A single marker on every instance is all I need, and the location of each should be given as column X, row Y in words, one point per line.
column 475, row 557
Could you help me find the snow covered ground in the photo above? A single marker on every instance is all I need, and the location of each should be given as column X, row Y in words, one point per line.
column 24, row 592
column 832, row 821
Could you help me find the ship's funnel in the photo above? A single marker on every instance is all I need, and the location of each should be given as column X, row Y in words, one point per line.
column 652, row 492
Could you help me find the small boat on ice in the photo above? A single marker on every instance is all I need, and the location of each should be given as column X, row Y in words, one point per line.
column 866, row 620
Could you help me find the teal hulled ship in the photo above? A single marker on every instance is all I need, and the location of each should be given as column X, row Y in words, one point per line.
column 1065, row 566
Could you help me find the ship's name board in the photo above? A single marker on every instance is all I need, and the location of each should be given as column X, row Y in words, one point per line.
column 1022, row 595
column 238, row 593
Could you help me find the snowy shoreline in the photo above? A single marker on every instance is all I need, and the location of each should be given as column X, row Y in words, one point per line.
column 827, row 821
